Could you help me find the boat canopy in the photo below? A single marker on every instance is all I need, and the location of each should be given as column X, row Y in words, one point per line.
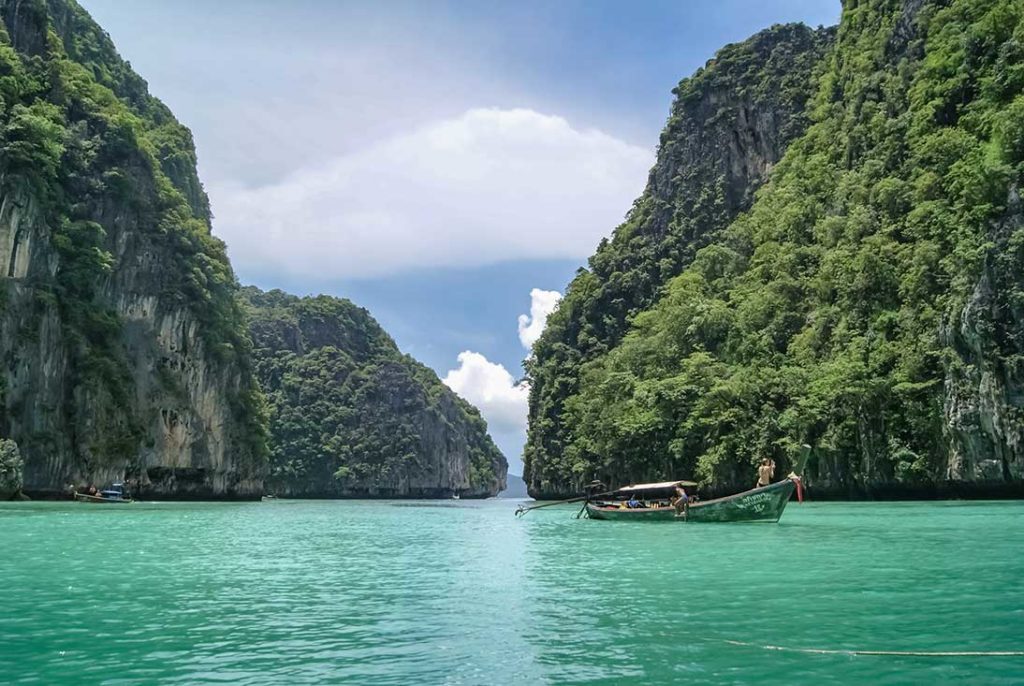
column 656, row 487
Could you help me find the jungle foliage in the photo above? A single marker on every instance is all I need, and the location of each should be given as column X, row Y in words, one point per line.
column 831, row 312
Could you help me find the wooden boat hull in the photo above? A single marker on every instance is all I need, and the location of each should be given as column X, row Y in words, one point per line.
column 99, row 500
column 764, row 504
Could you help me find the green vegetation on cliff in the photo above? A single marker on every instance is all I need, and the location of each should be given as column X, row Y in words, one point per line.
column 351, row 415
column 871, row 302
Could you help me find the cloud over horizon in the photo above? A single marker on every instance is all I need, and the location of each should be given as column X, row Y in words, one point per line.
column 488, row 186
column 492, row 389
column 489, row 386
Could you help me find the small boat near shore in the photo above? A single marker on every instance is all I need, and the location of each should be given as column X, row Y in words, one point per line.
column 764, row 504
column 115, row 494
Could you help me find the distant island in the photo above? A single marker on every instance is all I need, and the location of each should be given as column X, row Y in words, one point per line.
column 351, row 416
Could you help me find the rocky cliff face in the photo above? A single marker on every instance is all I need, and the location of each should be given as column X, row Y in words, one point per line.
column 729, row 124
column 124, row 350
column 350, row 416
column 983, row 405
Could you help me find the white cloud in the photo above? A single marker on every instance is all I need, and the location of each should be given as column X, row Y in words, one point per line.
column 487, row 186
column 542, row 304
column 492, row 389
column 489, row 386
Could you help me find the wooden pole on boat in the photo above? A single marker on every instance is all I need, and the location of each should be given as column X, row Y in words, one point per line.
column 522, row 509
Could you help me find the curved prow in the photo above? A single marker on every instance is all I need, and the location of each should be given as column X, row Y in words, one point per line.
column 796, row 476
column 801, row 462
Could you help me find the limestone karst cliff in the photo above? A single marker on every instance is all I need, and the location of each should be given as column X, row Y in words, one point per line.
column 728, row 126
column 868, row 302
column 351, row 416
column 125, row 354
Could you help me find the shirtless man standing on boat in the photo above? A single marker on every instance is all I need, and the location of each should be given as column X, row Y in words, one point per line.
column 765, row 472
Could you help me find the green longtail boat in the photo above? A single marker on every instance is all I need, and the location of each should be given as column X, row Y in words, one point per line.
column 659, row 501
column 653, row 502
column 764, row 504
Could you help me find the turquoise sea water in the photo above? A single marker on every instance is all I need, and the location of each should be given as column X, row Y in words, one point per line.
column 464, row 593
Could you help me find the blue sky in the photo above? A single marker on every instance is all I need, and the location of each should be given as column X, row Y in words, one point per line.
column 434, row 162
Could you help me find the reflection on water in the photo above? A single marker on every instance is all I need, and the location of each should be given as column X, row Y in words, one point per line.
column 463, row 592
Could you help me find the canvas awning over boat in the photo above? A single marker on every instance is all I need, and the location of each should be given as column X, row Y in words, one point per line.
column 658, row 486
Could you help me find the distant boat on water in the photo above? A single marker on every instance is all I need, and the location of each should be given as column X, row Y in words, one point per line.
column 115, row 494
